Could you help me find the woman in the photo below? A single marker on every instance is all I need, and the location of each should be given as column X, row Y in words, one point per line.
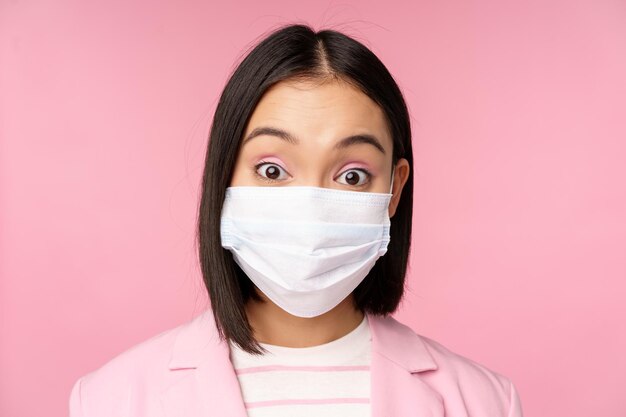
column 304, row 233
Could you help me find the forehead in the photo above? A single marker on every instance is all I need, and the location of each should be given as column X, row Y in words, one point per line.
column 330, row 109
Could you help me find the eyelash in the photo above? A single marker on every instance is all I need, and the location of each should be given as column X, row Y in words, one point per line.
column 261, row 177
column 363, row 170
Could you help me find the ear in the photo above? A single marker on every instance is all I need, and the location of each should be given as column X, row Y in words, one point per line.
column 400, row 176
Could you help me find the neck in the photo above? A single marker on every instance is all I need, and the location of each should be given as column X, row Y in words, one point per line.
column 274, row 326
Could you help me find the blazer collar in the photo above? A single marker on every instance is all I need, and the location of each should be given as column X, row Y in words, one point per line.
column 204, row 382
column 392, row 339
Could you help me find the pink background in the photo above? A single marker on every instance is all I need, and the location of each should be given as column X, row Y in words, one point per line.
column 518, row 108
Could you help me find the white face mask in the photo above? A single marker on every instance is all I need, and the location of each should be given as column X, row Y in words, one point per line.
column 307, row 248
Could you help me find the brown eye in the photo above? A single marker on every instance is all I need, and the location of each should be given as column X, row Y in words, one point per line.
column 355, row 177
column 269, row 171
column 272, row 172
column 352, row 178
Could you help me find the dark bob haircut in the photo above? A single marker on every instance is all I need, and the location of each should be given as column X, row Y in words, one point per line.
column 296, row 52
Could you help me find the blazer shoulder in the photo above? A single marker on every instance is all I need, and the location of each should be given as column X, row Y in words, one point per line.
column 475, row 385
column 108, row 389
column 451, row 361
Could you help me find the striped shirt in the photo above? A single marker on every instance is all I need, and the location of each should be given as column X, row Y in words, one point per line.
column 330, row 380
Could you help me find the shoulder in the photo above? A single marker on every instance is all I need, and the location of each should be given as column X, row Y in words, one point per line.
column 468, row 385
column 108, row 389
column 461, row 367
column 463, row 385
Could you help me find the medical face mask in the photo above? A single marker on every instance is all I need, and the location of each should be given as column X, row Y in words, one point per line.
column 307, row 248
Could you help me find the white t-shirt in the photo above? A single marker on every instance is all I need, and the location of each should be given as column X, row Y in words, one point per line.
column 329, row 380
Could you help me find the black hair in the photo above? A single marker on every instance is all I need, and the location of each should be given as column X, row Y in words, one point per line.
column 296, row 52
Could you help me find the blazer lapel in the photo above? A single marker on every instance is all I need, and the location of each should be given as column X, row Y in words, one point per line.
column 208, row 385
column 398, row 356
column 205, row 383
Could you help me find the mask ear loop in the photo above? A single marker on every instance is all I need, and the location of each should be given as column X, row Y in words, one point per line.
column 391, row 187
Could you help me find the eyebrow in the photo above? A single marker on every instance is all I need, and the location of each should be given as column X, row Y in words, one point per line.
column 288, row 137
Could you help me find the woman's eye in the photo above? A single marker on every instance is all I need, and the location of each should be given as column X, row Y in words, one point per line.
column 355, row 177
column 270, row 171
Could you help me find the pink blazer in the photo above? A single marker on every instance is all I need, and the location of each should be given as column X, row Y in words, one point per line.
column 186, row 372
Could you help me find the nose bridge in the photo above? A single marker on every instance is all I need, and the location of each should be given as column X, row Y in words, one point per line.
column 314, row 168
column 314, row 176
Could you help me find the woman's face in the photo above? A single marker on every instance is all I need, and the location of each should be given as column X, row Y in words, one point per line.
column 324, row 135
